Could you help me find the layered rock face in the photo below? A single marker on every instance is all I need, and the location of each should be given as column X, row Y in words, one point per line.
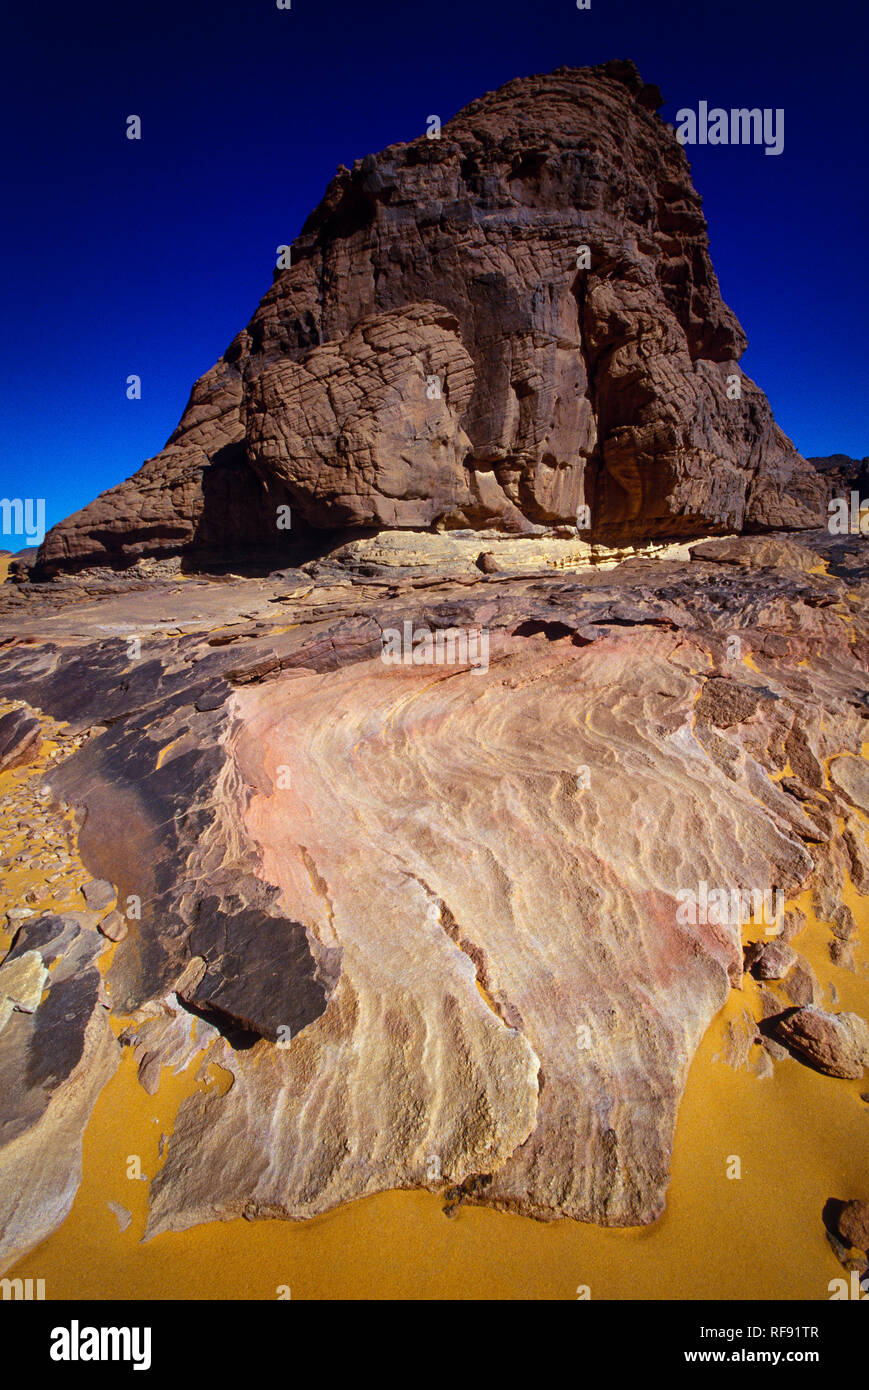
column 56, row 1054
column 429, row 920
column 441, row 352
column 441, row 923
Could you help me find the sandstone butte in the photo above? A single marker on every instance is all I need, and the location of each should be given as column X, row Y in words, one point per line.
column 426, row 920
column 559, row 387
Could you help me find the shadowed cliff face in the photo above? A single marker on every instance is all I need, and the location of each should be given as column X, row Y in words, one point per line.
column 441, row 352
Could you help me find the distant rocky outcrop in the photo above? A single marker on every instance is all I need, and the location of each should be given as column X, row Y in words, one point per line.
column 442, row 352
column 841, row 473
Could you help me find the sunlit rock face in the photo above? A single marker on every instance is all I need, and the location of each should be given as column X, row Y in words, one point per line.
column 497, row 327
column 482, row 854
column 444, row 924
column 56, row 1053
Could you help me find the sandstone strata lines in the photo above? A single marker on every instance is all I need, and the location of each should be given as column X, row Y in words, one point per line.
column 428, row 916
column 419, row 804
column 57, row 1051
column 426, row 920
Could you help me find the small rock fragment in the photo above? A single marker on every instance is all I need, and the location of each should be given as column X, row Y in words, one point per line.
column 844, row 925
column 855, row 843
column 124, row 1216
column 850, row 776
column 149, row 1072
column 99, row 893
column 842, row 954
column 22, row 981
column 853, row 1224
column 836, row 1044
column 775, row 1049
column 739, row 1039
column 20, row 739
column 762, row 1065
column 245, row 675
column 801, row 983
column 774, row 961
column 114, row 926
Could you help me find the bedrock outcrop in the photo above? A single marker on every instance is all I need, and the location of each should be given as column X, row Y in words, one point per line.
column 56, row 1053
column 430, row 919
column 442, row 352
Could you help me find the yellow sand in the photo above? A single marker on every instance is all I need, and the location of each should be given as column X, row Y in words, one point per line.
column 17, row 881
column 800, row 1138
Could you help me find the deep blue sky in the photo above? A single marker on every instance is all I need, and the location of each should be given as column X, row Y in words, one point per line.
column 148, row 257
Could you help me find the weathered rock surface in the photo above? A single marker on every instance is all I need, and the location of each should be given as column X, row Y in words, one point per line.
column 22, row 981
column 837, row 1044
column 853, row 1224
column 757, row 552
column 773, row 961
column 577, row 969
column 843, row 474
column 113, row 926
column 20, row 739
column 438, row 353
column 98, row 894
column 426, row 919
column 56, row 1053
column 850, row 775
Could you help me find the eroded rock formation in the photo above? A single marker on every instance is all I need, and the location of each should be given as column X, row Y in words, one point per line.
column 441, row 924
column 439, row 353
column 427, row 920
column 20, row 739
column 57, row 1051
